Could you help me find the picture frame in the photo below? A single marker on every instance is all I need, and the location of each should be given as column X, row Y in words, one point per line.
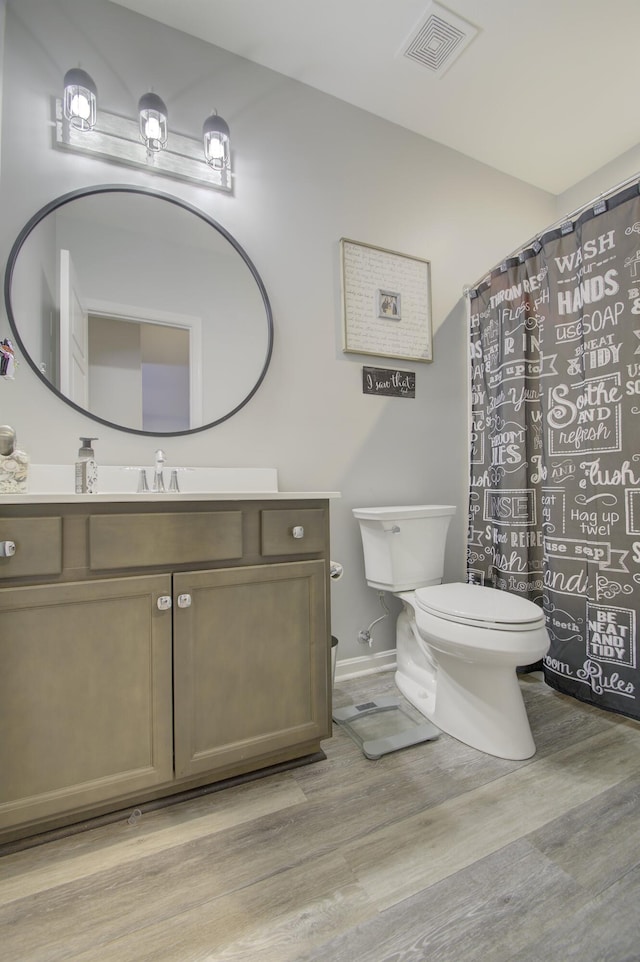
column 389, row 305
column 386, row 302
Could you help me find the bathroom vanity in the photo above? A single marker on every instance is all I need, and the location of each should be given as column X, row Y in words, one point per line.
column 155, row 644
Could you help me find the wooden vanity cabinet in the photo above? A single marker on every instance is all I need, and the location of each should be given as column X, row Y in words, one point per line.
column 166, row 646
column 244, row 684
column 85, row 694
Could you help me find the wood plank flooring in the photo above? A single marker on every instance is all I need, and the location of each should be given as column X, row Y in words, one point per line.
column 436, row 853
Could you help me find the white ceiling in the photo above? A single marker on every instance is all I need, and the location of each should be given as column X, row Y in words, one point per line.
column 548, row 91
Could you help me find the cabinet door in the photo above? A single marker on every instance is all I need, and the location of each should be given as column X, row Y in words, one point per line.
column 250, row 663
column 85, row 694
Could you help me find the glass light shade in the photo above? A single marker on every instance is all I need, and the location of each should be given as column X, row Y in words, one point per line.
column 215, row 136
column 80, row 98
column 153, row 122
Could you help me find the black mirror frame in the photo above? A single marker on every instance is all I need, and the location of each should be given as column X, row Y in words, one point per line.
column 178, row 202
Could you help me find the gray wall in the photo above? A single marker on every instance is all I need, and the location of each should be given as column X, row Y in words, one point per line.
column 309, row 170
column 625, row 166
column 3, row 12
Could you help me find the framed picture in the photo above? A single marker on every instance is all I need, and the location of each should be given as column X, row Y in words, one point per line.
column 389, row 305
column 386, row 302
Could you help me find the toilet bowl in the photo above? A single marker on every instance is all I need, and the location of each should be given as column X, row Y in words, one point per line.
column 458, row 645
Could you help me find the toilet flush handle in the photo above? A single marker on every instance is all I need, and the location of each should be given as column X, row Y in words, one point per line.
column 395, row 529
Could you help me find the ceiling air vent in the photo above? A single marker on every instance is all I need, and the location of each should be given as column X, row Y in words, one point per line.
column 439, row 40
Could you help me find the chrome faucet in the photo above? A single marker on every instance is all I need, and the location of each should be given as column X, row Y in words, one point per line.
column 158, row 475
column 174, row 487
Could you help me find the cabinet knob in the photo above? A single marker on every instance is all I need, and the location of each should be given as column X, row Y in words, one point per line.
column 7, row 549
column 164, row 602
column 184, row 601
column 298, row 531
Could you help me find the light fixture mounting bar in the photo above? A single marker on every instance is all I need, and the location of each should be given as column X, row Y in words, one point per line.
column 117, row 139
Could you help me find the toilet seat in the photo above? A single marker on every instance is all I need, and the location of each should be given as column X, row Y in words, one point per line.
column 482, row 607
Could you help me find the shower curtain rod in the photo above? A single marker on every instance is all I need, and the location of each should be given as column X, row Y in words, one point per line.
column 558, row 223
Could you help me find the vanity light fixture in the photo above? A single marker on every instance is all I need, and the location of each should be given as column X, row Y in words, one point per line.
column 80, row 99
column 153, row 122
column 144, row 143
column 215, row 136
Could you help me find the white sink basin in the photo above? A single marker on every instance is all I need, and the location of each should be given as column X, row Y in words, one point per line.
column 120, row 479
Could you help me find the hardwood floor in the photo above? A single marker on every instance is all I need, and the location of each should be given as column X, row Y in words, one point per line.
column 436, row 853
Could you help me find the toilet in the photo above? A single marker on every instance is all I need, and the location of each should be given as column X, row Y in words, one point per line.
column 458, row 645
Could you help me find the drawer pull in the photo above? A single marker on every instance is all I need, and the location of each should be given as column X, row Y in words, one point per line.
column 298, row 531
column 184, row 601
column 164, row 602
column 7, row 549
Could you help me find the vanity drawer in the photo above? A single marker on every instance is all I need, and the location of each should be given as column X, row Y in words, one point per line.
column 144, row 540
column 277, row 531
column 38, row 544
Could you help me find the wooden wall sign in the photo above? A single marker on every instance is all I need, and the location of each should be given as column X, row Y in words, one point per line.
column 388, row 383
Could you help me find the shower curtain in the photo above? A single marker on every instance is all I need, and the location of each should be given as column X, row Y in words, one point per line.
column 554, row 504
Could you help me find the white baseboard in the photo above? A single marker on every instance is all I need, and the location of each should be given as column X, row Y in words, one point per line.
column 366, row 664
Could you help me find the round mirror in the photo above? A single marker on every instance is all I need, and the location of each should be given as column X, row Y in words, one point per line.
column 139, row 310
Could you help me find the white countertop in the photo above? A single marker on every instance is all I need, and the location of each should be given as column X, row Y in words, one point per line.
column 166, row 498
column 55, row 484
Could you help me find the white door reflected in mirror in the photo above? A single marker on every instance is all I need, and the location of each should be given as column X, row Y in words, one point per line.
column 126, row 369
column 74, row 335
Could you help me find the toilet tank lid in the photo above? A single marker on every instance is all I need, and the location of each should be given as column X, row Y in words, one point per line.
column 397, row 512
column 477, row 603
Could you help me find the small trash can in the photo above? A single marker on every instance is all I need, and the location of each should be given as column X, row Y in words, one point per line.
column 334, row 652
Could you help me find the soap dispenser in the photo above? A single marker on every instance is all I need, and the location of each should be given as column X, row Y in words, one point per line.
column 86, row 468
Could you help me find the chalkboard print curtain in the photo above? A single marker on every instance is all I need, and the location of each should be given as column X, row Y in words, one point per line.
column 554, row 506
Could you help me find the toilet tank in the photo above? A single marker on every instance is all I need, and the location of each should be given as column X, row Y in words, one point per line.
column 404, row 545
